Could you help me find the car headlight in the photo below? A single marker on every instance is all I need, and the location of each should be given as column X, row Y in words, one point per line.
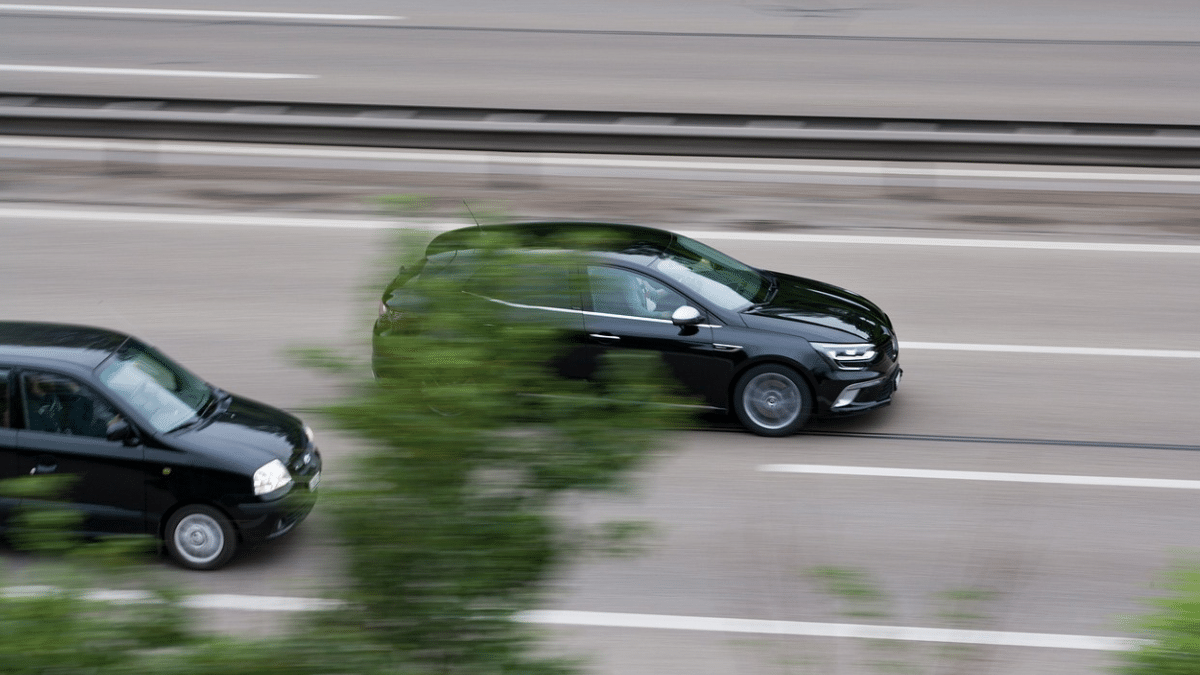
column 271, row 477
column 853, row 356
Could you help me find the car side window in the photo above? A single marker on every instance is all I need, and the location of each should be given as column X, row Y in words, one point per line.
column 5, row 401
column 60, row 405
column 535, row 284
column 625, row 293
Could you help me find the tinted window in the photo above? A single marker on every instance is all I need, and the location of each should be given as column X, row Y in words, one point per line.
column 60, row 405
column 535, row 284
column 625, row 293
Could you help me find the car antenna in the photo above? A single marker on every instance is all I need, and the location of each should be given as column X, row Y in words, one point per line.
column 473, row 216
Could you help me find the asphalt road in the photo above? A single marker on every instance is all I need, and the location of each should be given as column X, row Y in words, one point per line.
column 731, row 540
column 1011, row 59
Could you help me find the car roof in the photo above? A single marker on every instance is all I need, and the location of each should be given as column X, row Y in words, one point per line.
column 81, row 345
column 612, row 238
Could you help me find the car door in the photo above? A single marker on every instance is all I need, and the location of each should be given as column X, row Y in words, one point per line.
column 8, row 445
column 65, row 427
column 630, row 310
column 543, row 291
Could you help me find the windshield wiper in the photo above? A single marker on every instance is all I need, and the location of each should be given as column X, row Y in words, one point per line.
column 772, row 290
column 215, row 396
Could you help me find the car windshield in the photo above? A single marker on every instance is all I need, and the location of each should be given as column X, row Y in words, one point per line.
column 713, row 275
column 162, row 390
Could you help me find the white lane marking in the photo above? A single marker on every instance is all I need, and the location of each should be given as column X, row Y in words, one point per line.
column 195, row 13
column 840, row 630
column 1003, row 477
column 261, row 603
column 784, row 237
column 149, row 72
column 657, row 621
column 1066, row 351
column 364, row 224
column 249, row 603
column 208, row 219
column 864, row 169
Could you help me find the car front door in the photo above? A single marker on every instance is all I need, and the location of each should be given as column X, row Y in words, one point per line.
column 633, row 311
column 65, row 428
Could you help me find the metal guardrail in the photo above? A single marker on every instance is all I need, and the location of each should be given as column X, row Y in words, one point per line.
column 601, row 132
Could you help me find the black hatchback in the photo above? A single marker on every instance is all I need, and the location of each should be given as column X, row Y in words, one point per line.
column 150, row 447
column 771, row 348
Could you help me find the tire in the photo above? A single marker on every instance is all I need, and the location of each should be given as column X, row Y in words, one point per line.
column 772, row 400
column 200, row 537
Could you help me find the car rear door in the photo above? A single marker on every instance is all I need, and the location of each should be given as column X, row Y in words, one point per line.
column 632, row 311
column 64, row 432
column 543, row 291
column 8, row 445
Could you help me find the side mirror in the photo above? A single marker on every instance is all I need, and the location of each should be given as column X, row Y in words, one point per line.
column 120, row 430
column 686, row 315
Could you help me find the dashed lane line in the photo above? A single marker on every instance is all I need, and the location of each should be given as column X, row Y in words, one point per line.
column 1004, row 477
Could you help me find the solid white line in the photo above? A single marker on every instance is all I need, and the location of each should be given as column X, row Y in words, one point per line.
column 140, row 72
column 168, row 218
column 195, row 13
column 263, row 603
column 841, row 630
column 864, row 169
column 953, row 243
column 1056, row 479
column 161, row 217
column 1066, row 351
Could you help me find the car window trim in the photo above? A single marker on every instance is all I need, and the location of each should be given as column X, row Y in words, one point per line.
column 585, row 312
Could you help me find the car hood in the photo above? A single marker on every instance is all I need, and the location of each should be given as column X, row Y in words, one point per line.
column 816, row 303
column 246, row 433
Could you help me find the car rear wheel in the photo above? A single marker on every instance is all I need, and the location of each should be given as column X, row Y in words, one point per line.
column 200, row 537
column 772, row 400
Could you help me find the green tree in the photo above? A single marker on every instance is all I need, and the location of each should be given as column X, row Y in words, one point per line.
column 451, row 517
column 451, row 522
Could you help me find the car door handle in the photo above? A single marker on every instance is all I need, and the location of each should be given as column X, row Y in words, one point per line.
column 604, row 337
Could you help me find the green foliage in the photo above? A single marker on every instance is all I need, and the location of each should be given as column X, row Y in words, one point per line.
column 1173, row 628
column 451, row 525
column 450, row 520
column 406, row 204
column 63, row 632
column 860, row 595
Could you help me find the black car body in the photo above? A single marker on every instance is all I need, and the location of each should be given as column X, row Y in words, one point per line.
column 150, row 448
column 772, row 348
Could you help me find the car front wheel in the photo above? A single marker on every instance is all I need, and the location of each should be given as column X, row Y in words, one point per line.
column 200, row 537
column 772, row 400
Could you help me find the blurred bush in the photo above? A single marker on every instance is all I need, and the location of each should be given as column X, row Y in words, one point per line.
column 1173, row 629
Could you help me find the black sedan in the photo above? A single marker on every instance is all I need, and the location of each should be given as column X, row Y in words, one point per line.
column 771, row 348
column 151, row 448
